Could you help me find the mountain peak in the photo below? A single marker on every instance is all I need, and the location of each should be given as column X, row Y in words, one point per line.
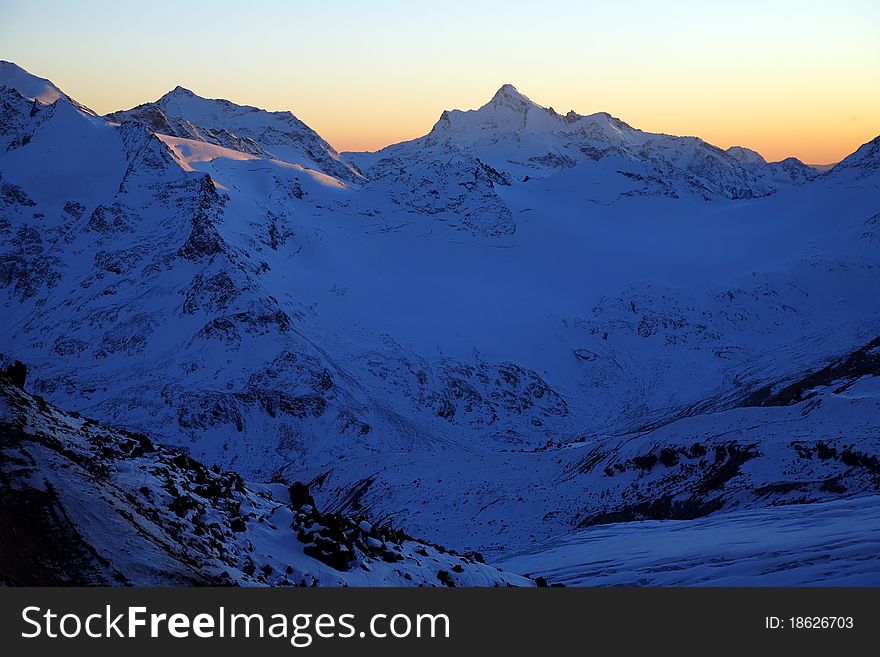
column 509, row 97
column 746, row 155
column 181, row 92
column 28, row 85
column 866, row 159
column 509, row 110
column 508, row 89
column 243, row 128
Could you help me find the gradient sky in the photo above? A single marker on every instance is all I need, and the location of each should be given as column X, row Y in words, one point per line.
column 786, row 78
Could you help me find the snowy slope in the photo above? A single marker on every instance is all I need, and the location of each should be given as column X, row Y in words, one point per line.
column 825, row 544
column 106, row 507
column 862, row 165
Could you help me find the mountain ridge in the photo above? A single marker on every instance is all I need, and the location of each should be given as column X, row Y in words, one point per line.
column 273, row 135
column 16, row 77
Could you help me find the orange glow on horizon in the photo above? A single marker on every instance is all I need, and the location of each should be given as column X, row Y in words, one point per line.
column 815, row 133
column 784, row 78
column 775, row 137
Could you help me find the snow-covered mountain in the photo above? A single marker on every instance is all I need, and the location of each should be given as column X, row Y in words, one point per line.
column 271, row 135
column 475, row 324
column 30, row 86
column 788, row 171
column 863, row 164
column 457, row 168
column 130, row 244
column 187, row 283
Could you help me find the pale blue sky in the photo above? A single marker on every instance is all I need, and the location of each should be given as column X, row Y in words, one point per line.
column 783, row 77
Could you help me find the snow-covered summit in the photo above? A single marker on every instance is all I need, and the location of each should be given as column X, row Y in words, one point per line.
column 274, row 135
column 746, row 155
column 40, row 92
column 180, row 91
column 508, row 110
column 522, row 141
column 28, row 85
column 509, row 97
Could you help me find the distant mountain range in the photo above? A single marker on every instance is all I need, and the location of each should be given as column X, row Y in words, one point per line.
column 516, row 328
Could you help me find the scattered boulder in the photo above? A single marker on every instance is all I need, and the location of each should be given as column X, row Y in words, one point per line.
column 445, row 578
column 17, row 373
column 299, row 495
